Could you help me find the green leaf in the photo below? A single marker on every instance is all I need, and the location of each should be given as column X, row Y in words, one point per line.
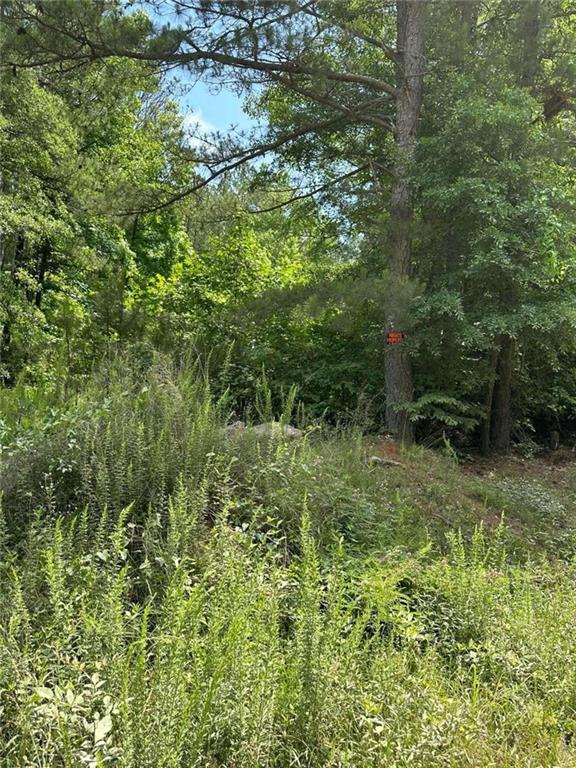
column 102, row 728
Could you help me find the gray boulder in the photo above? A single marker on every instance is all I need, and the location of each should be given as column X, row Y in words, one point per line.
column 266, row 430
column 275, row 429
column 234, row 429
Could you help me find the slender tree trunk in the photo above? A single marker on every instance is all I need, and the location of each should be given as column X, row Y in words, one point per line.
column 469, row 12
column 43, row 263
column 497, row 428
column 486, row 436
column 10, row 265
column 410, row 46
column 501, row 412
column 530, row 31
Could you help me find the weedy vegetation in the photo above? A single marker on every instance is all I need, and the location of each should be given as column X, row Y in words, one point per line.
column 172, row 596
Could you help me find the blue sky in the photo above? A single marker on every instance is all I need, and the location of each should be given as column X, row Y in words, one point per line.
column 210, row 111
column 204, row 109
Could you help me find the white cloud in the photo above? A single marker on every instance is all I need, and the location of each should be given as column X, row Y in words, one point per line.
column 196, row 128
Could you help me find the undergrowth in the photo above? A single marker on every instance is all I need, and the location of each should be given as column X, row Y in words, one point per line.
column 174, row 596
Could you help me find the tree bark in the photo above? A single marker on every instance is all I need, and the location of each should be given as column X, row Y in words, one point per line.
column 42, row 265
column 501, row 412
column 10, row 264
column 485, row 435
column 410, row 68
column 529, row 30
column 469, row 12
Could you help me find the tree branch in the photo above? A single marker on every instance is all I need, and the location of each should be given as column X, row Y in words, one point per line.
column 390, row 53
column 312, row 192
column 97, row 49
column 252, row 154
column 356, row 111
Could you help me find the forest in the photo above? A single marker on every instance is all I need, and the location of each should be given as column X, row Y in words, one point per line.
column 287, row 401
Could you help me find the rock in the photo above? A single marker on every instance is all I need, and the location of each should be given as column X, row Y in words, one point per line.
column 269, row 429
column 384, row 462
column 236, row 428
column 275, row 428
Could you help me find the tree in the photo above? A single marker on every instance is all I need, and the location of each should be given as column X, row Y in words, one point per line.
column 301, row 48
column 410, row 67
column 73, row 151
column 459, row 193
column 496, row 190
column 37, row 144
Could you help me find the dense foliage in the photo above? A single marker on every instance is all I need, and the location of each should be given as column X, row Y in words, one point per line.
column 171, row 595
column 94, row 150
column 179, row 588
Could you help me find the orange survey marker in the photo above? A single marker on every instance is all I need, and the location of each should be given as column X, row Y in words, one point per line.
column 395, row 337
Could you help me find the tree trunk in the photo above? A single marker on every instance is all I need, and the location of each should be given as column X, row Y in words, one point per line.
column 10, row 264
column 486, row 436
column 410, row 54
column 42, row 265
column 530, row 30
column 501, row 412
column 469, row 12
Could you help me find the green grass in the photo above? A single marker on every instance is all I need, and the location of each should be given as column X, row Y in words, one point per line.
column 170, row 597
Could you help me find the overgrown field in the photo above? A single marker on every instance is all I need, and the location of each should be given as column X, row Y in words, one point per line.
column 172, row 596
